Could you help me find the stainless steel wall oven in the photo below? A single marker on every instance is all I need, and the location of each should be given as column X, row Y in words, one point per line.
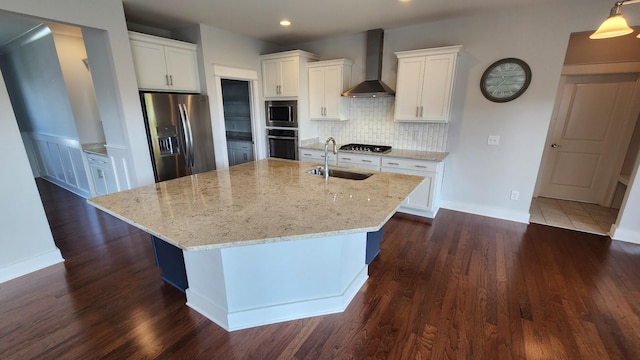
column 283, row 143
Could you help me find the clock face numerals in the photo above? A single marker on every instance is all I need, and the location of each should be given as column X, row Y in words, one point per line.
column 505, row 80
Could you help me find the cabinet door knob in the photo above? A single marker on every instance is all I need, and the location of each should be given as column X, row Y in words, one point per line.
column 171, row 80
column 421, row 108
column 417, row 110
column 166, row 79
column 554, row 145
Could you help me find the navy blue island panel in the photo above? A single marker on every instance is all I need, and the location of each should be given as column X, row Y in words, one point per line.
column 373, row 245
column 170, row 260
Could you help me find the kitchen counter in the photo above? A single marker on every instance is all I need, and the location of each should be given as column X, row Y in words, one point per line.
column 258, row 202
column 96, row 148
column 263, row 242
column 239, row 136
column 398, row 153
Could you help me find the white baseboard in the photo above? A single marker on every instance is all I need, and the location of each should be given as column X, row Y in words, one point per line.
column 424, row 214
column 626, row 235
column 30, row 265
column 521, row 217
column 278, row 313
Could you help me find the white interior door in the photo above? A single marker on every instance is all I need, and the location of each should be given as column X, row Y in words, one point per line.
column 580, row 159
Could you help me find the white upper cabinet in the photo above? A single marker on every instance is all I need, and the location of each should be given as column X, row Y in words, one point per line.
column 425, row 84
column 281, row 73
column 327, row 80
column 164, row 64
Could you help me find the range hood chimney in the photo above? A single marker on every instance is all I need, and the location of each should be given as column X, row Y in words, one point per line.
column 373, row 85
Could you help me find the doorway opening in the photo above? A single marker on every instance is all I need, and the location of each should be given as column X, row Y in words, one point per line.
column 593, row 140
column 49, row 82
column 236, row 103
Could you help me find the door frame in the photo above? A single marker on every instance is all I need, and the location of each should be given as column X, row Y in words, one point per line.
column 628, row 123
column 219, row 129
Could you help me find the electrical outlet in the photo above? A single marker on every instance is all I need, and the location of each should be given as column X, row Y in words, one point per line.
column 515, row 195
column 493, row 140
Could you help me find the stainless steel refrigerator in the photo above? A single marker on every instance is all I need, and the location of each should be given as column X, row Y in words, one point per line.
column 179, row 134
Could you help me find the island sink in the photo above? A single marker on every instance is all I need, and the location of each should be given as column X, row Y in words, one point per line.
column 343, row 174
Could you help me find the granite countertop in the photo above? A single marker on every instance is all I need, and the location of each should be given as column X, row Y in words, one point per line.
column 239, row 136
column 398, row 153
column 258, row 202
column 97, row 148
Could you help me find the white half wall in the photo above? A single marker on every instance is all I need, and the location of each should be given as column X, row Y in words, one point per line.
column 26, row 241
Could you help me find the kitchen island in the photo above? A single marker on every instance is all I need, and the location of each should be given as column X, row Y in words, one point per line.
column 264, row 241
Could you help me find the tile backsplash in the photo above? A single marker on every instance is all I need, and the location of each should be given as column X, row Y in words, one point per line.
column 372, row 123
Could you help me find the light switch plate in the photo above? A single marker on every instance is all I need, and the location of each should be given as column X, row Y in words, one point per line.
column 493, row 140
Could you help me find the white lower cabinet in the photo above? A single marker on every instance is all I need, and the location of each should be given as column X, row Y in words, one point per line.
column 102, row 176
column 239, row 152
column 317, row 156
column 423, row 201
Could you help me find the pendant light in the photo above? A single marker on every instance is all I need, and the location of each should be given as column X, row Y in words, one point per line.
column 616, row 24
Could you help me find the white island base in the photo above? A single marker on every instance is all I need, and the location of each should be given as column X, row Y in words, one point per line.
column 253, row 285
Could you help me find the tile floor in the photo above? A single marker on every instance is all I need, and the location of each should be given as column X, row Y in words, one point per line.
column 591, row 218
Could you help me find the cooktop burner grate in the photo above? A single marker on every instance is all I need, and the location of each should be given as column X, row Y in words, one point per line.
column 381, row 149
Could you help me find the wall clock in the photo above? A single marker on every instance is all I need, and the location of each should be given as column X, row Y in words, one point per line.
column 505, row 80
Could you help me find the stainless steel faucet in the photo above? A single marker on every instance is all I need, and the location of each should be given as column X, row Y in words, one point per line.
column 326, row 156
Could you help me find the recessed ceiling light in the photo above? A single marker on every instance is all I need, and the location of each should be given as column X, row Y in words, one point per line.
column 285, row 22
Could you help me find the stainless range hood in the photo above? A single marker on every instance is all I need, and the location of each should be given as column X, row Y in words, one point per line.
column 373, row 85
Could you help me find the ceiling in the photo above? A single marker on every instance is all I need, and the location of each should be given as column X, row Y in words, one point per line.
column 311, row 20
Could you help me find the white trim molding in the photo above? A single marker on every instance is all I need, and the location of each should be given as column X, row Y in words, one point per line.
column 498, row 213
column 626, row 235
column 30, row 265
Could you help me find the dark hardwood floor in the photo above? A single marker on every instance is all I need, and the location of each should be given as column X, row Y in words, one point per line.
column 464, row 287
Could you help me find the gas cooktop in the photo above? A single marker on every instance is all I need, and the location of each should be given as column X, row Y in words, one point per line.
column 381, row 149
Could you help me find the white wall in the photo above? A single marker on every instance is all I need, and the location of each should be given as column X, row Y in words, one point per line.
column 479, row 178
column 38, row 90
column 71, row 51
column 26, row 241
column 113, row 75
column 222, row 48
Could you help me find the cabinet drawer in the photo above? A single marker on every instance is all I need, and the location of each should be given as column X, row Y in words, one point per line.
column 357, row 159
column 407, row 164
column 102, row 160
column 316, row 156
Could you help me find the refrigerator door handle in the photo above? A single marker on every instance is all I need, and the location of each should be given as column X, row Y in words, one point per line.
column 184, row 134
column 191, row 152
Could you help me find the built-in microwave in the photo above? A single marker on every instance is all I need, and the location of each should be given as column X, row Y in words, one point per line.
column 281, row 113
